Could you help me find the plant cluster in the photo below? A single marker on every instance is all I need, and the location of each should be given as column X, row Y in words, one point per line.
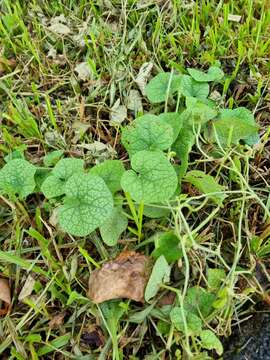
column 113, row 196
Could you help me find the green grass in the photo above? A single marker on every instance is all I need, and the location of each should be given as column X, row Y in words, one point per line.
column 45, row 107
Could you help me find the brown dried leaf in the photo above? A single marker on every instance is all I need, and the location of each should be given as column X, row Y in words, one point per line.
column 124, row 277
column 57, row 320
column 5, row 291
column 93, row 337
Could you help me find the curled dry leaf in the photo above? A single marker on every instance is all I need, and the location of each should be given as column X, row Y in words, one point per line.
column 124, row 277
column 27, row 289
column 118, row 113
column 5, row 295
column 143, row 76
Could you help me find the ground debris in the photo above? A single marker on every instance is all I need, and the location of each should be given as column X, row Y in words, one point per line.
column 124, row 277
column 5, row 295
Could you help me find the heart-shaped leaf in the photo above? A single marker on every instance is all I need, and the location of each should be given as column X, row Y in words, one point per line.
column 214, row 73
column 235, row 125
column 161, row 86
column 193, row 88
column 54, row 185
column 17, row 177
column 111, row 172
column 113, row 227
column 147, row 132
column 87, row 205
column 152, row 178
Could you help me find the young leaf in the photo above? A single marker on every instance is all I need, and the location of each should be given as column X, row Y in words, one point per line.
column 111, row 172
column 193, row 322
column 206, row 184
column 168, row 245
column 151, row 172
column 215, row 278
column 52, row 157
column 190, row 87
column 214, row 73
column 147, row 132
column 235, row 125
column 174, row 119
column 112, row 228
column 17, row 178
column 160, row 274
column 161, row 86
column 210, row 341
column 87, row 205
column 54, row 185
column 198, row 301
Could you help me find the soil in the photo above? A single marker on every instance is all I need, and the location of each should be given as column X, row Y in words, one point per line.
column 251, row 341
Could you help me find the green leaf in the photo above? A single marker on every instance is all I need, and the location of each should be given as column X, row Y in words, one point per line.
column 52, row 157
column 190, row 87
column 16, row 154
column 159, row 275
column 168, row 245
column 183, row 146
column 235, row 125
column 87, row 205
column 206, row 184
column 193, row 322
column 173, row 119
column 210, row 341
column 215, row 278
column 199, row 111
column 199, row 301
column 56, row 343
column 112, row 228
column 147, row 132
column 54, row 185
column 111, row 172
column 156, row 211
column 161, row 86
column 151, row 172
column 214, row 73
column 17, row 177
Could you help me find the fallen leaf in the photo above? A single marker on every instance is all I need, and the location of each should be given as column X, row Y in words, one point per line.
column 5, row 291
column 118, row 113
column 134, row 101
column 143, row 76
column 5, row 295
column 57, row 320
column 58, row 25
column 83, row 70
column 93, row 337
column 124, row 277
column 167, row 299
column 27, row 288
